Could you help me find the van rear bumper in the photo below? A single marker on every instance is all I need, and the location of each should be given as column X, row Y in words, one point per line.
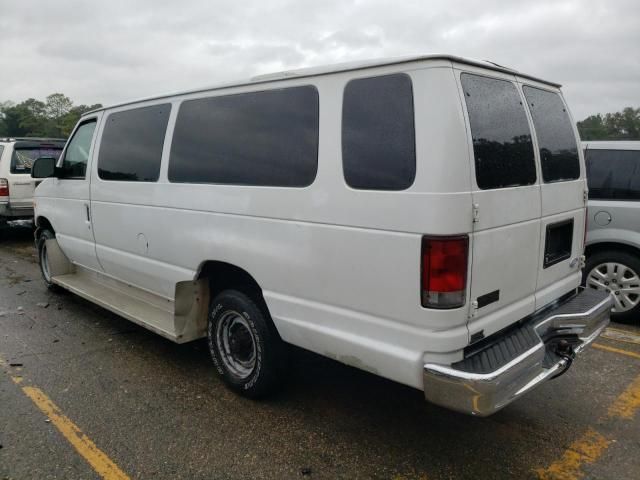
column 508, row 364
column 10, row 211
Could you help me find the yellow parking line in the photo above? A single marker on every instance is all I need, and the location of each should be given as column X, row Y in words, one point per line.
column 98, row 460
column 618, row 335
column 588, row 448
column 607, row 348
column 628, row 403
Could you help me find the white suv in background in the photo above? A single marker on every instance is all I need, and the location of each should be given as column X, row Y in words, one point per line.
column 16, row 185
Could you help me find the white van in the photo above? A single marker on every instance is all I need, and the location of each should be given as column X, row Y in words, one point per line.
column 16, row 185
column 421, row 219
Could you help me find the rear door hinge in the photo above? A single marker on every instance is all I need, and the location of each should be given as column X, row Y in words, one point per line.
column 476, row 212
column 585, row 196
column 474, row 308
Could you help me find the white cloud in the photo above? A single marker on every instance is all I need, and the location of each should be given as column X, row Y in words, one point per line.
column 113, row 51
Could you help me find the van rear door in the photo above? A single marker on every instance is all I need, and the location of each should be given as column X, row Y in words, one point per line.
column 563, row 192
column 506, row 196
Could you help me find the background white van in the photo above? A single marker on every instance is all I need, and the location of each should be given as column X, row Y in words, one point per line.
column 422, row 219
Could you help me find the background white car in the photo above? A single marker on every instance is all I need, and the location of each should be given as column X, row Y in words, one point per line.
column 16, row 185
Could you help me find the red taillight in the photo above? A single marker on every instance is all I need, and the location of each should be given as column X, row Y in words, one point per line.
column 444, row 271
column 4, row 187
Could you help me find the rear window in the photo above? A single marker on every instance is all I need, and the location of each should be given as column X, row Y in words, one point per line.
column 23, row 158
column 131, row 147
column 556, row 138
column 613, row 174
column 267, row 138
column 378, row 134
column 502, row 145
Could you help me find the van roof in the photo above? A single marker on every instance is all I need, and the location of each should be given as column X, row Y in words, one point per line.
column 611, row 145
column 335, row 68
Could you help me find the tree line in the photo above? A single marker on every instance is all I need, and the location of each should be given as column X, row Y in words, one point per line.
column 624, row 125
column 57, row 115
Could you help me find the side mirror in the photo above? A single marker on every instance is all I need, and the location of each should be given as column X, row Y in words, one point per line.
column 43, row 167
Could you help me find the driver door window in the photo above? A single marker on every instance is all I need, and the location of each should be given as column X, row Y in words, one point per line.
column 74, row 164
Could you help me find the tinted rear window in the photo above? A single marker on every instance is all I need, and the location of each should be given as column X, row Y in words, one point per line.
column 378, row 134
column 556, row 138
column 502, row 143
column 267, row 138
column 131, row 147
column 613, row 174
column 23, row 158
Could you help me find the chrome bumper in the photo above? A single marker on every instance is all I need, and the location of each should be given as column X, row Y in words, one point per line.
column 506, row 367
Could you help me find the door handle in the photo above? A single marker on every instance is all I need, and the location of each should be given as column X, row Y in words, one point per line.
column 86, row 207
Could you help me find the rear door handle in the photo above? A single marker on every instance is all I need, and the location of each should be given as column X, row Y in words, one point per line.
column 86, row 207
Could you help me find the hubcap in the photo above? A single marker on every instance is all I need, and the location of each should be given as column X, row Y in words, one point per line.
column 618, row 279
column 236, row 344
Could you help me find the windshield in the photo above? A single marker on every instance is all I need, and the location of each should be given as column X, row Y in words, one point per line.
column 23, row 158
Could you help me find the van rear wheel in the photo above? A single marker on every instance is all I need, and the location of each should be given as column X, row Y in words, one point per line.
column 619, row 273
column 244, row 344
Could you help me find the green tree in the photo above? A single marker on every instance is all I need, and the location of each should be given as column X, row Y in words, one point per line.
column 55, row 117
column 57, row 105
column 69, row 120
column 624, row 125
column 592, row 128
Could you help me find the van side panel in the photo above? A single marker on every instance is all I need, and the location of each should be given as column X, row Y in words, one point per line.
column 339, row 268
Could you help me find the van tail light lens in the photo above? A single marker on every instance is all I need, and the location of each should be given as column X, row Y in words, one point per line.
column 4, row 187
column 444, row 271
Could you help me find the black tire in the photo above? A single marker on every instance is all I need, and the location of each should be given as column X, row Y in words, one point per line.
column 239, row 330
column 620, row 257
column 43, row 261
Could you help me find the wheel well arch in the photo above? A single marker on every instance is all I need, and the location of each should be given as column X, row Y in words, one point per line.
column 223, row 275
column 601, row 246
column 43, row 223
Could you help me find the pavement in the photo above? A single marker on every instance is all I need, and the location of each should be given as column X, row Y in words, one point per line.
column 85, row 394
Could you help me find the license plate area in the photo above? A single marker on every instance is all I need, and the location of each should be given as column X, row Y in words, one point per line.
column 558, row 242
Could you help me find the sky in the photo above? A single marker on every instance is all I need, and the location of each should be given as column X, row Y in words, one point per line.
column 111, row 51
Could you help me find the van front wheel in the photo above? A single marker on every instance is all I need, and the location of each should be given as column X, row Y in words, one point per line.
column 244, row 345
column 43, row 258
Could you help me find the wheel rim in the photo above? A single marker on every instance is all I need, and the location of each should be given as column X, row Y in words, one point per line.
column 44, row 263
column 621, row 281
column 236, row 344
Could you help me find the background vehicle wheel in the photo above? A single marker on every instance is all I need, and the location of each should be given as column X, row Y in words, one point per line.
column 244, row 344
column 43, row 258
column 619, row 273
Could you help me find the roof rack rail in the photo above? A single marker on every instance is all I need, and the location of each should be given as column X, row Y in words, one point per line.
column 32, row 139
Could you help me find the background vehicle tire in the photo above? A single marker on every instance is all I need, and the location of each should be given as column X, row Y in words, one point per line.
column 43, row 259
column 244, row 344
column 619, row 272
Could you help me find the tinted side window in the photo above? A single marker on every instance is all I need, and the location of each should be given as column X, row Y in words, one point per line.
column 378, row 134
column 267, row 138
column 556, row 139
column 74, row 164
column 502, row 143
column 131, row 147
column 613, row 174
